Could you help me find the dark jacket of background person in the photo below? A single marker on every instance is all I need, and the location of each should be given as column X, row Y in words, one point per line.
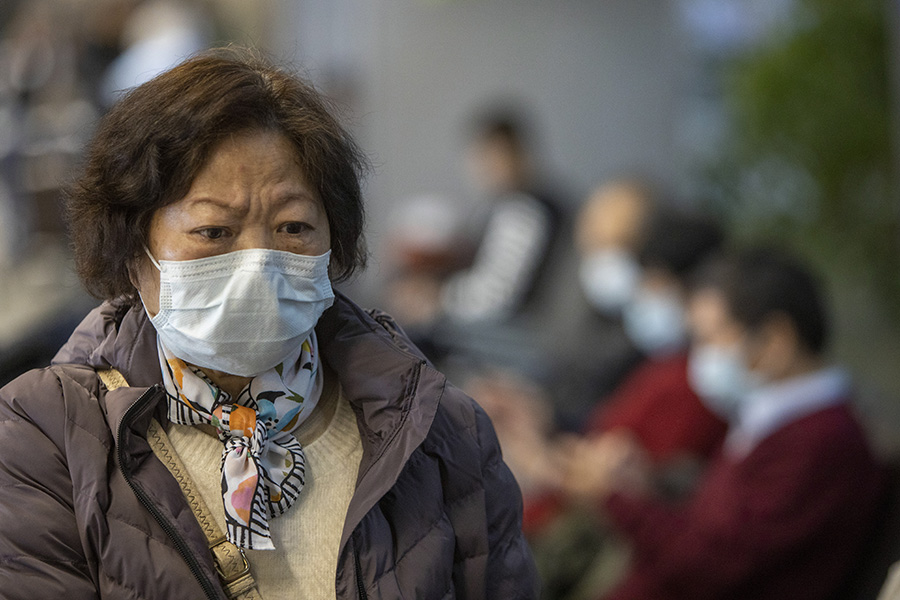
column 784, row 522
column 436, row 513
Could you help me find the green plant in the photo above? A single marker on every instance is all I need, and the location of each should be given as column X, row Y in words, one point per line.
column 809, row 159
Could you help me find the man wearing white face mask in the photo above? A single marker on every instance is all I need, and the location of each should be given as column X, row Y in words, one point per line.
column 652, row 421
column 586, row 334
column 654, row 404
column 610, row 229
column 785, row 508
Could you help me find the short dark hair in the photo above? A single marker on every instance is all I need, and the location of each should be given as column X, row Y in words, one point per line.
column 153, row 142
column 761, row 282
column 504, row 122
column 678, row 240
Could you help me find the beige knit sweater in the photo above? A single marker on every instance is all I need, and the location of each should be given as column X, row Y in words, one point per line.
column 307, row 536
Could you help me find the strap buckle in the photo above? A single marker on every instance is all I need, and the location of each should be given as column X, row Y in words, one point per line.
column 231, row 562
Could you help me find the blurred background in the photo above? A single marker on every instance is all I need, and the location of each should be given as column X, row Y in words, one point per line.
column 778, row 116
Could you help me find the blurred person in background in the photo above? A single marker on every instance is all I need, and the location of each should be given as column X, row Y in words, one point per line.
column 486, row 308
column 609, row 232
column 224, row 424
column 653, row 413
column 590, row 342
column 655, row 409
column 784, row 509
column 597, row 353
column 584, row 336
column 157, row 35
column 425, row 244
column 50, row 55
column 522, row 224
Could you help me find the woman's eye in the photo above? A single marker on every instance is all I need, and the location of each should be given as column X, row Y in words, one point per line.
column 295, row 228
column 213, row 233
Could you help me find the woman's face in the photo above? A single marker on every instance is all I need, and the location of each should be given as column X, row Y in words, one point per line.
column 251, row 193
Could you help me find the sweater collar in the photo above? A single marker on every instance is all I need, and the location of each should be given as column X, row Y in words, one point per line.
column 769, row 408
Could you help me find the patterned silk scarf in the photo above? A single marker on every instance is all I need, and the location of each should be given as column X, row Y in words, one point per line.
column 263, row 467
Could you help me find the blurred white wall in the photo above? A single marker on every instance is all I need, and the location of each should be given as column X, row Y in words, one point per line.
column 605, row 79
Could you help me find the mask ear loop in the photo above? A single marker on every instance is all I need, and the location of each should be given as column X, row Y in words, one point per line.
column 153, row 260
column 155, row 264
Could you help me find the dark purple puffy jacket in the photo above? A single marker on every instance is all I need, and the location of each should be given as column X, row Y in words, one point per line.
column 88, row 511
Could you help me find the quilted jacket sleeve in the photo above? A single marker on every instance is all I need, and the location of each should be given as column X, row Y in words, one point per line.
column 511, row 574
column 41, row 553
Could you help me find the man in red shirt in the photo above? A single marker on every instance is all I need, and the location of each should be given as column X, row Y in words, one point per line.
column 785, row 507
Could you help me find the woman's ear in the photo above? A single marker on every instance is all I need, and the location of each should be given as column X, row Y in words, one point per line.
column 131, row 266
column 145, row 279
column 334, row 262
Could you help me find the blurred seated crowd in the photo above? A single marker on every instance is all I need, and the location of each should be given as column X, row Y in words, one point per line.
column 689, row 436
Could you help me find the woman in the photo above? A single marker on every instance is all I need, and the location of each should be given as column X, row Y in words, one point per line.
column 217, row 202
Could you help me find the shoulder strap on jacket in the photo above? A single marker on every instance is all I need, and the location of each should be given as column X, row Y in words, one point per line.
column 112, row 379
column 231, row 562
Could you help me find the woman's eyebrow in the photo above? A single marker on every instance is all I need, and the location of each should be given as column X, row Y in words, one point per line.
column 278, row 201
column 203, row 201
column 293, row 195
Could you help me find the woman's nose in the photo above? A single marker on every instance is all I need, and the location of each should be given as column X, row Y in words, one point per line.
column 255, row 237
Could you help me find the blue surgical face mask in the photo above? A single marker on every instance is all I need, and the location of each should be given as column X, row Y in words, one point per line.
column 242, row 312
column 609, row 279
column 719, row 375
column 654, row 321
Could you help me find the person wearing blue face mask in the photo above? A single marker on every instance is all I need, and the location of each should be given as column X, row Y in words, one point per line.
column 226, row 425
column 653, row 410
column 676, row 242
column 757, row 358
column 785, row 507
column 652, row 420
column 654, row 404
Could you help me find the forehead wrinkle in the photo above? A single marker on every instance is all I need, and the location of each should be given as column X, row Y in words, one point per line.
column 238, row 208
column 216, row 203
column 250, row 172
